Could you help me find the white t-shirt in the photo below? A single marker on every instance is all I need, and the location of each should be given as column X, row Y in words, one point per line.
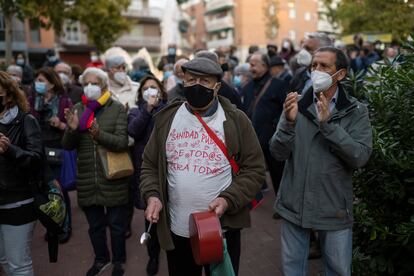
column 197, row 169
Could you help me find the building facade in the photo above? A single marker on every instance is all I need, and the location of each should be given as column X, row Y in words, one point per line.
column 245, row 22
column 29, row 39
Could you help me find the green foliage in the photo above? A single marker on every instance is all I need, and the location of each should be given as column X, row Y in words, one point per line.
column 384, row 188
column 390, row 16
column 103, row 18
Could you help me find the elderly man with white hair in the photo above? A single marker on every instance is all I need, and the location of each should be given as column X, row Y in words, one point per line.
column 121, row 86
column 100, row 122
column 65, row 73
column 15, row 72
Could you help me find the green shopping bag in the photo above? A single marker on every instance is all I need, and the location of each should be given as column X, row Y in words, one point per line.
column 224, row 268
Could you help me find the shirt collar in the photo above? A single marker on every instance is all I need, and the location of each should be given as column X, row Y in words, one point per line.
column 210, row 111
column 333, row 100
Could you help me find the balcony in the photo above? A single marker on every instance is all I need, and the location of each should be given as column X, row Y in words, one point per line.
column 137, row 42
column 214, row 44
column 144, row 14
column 218, row 5
column 218, row 24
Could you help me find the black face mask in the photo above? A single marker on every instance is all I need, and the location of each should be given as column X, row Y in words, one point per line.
column 2, row 106
column 271, row 53
column 225, row 67
column 198, row 96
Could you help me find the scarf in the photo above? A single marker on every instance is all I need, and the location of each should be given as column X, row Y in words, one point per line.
column 9, row 115
column 88, row 115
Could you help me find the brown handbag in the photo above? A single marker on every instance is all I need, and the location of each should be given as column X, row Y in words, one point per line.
column 115, row 165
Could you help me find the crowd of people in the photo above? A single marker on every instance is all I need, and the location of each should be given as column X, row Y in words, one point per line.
column 284, row 111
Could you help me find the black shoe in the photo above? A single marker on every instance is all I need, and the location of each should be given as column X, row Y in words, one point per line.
column 128, row 233
column 118, row 270
column 98, row 268
column 276, row 216
column 152, row 266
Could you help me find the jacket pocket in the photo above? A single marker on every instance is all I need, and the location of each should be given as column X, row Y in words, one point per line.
column 335, row 196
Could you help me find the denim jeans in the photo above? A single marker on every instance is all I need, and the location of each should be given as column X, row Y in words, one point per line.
column 116, row 218
column 336, row 249
column 15, row 249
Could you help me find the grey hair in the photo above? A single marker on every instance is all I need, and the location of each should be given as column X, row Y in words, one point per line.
column 179, row 62
column 103, row 76
column 15, row 69
column 66, row 65
column 114, row 61
column 322, row 38
column 263, row 57
column 140, row 63
column 242, row 69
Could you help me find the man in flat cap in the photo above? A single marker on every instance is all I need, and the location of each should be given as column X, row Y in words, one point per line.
column 278, row 69
column 185, row 171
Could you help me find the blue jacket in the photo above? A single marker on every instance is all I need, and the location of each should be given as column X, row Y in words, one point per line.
column 140, row 125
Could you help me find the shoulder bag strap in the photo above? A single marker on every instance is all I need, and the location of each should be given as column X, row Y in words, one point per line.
column 219, row 143
column 260, row 95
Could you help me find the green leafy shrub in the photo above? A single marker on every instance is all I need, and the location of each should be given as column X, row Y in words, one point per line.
column 384, row 188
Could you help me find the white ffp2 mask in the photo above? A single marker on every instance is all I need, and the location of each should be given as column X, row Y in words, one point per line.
column 321, row 81
column 149, row 92
column 120, row 77
column 92, row 92
column 304, row 58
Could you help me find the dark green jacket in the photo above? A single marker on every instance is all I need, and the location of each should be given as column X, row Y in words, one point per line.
column 93, row 188
column 316, row 187
column 241, row 142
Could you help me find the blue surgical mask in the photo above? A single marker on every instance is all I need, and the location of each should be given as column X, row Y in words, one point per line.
column 20, row 61
column 167, row 74
column 40, row 87
column 178, row 80
column 237, row 80
column 171, row 51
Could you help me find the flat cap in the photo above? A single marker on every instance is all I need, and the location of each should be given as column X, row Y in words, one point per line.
column 114, row 61
column 207, row 54
column 276, row 60
column 203, row 66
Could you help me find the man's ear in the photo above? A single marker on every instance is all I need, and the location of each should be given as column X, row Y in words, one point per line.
column 217, row 88
column 341, row 74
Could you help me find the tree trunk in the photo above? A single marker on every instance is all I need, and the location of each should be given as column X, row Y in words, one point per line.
column 9, row 36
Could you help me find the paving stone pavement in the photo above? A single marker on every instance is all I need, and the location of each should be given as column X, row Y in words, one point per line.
column 260, row 247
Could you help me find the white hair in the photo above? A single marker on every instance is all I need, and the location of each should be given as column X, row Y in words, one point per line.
column 323, row 39
column 15, row 69
column 66, row 66
column 102, row 75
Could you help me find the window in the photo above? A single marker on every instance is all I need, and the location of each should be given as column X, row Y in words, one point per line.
column 292, row 13
column 34, row 31
column 137, row 31
column 72, row 31
column 308, row 16
column 292, row 35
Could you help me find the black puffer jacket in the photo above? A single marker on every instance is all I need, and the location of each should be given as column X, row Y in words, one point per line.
column 21, row 159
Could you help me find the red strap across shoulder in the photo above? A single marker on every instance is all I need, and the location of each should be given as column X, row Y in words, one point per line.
column 219, row 143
